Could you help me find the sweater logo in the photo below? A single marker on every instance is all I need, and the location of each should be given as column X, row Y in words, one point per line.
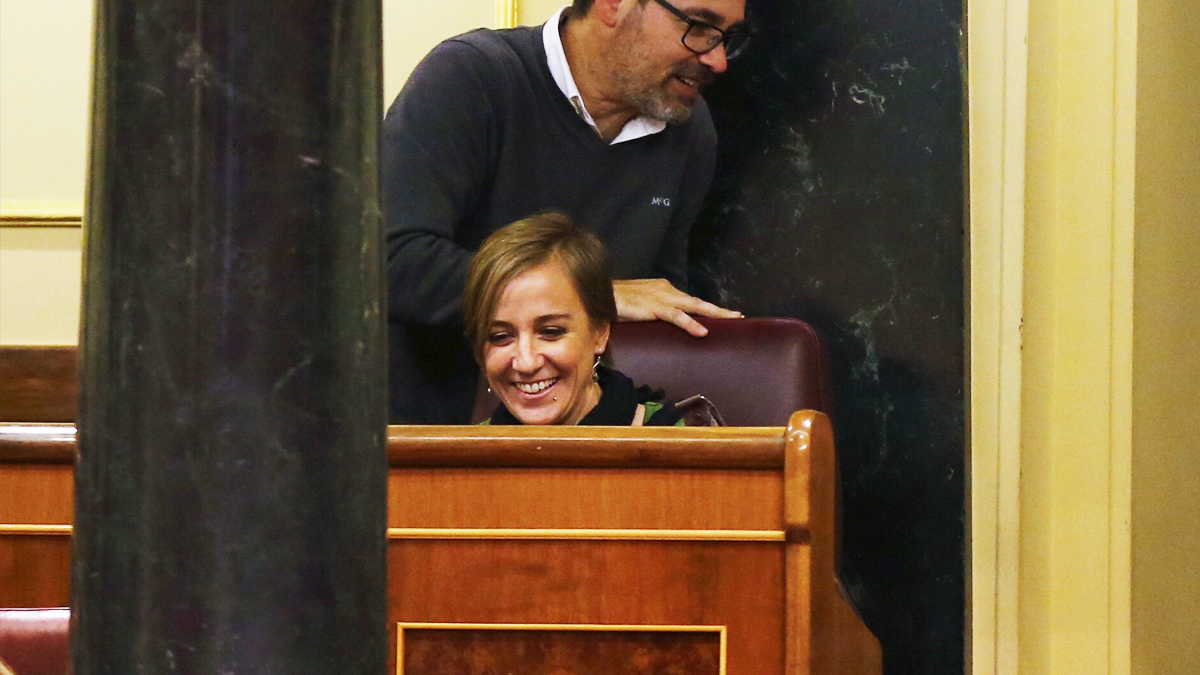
column 660, row 201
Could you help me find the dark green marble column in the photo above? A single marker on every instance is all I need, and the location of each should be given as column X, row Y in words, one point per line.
column 231, row 475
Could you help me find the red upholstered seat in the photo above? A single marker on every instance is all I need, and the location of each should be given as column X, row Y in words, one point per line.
column 34, row 641
column 756, row 371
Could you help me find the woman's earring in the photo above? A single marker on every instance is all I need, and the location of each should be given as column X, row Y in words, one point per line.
column 595, row 369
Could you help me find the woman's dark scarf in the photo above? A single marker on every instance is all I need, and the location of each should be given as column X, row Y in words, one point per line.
column 618, row 404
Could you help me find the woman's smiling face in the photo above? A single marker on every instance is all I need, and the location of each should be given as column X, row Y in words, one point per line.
column 540, row 348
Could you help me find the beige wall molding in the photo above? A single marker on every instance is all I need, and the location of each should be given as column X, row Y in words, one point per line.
column 41, row 221
column 506, row 13
column 1052, row 106
column 1074, row 576
column 997, row 56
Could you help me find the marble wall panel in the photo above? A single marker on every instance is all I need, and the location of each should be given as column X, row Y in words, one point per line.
column 839, row 200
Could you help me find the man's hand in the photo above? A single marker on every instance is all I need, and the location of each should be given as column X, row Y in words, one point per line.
column 650, row 299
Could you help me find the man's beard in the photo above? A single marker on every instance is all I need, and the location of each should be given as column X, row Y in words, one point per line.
column 655, row 102
column 640, row 82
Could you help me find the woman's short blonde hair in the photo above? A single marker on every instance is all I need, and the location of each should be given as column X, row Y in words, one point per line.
column 524, row 245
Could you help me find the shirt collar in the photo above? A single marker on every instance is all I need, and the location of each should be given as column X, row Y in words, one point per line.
column 560, row 70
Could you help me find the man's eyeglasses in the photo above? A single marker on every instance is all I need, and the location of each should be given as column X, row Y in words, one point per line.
column 702, row 38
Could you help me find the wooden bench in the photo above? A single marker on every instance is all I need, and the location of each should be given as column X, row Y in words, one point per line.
column 713, row 545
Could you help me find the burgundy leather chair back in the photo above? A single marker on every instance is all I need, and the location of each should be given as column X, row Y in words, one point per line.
column 34, row 641
column 756, row 371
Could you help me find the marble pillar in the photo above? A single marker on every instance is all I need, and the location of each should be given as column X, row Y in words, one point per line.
column 840, row 200
column 231, row 475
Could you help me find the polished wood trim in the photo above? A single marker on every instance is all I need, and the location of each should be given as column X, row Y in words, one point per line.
column 798, row 573
column 14, row 528
column 581, row 534
column 37, row 443
column 559, row 446
column 647, row 628
column 399, row 649
column 40, row 221
column 724, row 649
column 824, row 633
column 507, row 447
column 507, row 534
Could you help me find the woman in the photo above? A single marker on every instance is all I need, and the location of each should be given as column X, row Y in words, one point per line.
column 539, row 308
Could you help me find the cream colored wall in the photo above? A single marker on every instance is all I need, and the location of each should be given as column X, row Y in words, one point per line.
column 40, row 285
column 1166, row 375
column 45, row 50
column 45, row 71
column 411, row 29
column 535, row 12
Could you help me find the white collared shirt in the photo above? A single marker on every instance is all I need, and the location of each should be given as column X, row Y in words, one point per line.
column 560, row 70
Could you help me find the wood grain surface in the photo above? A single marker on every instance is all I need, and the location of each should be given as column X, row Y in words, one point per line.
column 738, row 585
column 439, row 651
column 36, row 494
column 599, row 498
column 35, row 570
column 38, row 384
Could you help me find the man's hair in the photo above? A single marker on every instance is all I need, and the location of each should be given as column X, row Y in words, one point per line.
column 523, row 245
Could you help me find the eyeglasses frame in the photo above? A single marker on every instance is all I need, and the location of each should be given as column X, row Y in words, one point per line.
column 693, row 23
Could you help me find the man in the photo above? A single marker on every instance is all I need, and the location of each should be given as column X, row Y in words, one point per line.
column 596, row 114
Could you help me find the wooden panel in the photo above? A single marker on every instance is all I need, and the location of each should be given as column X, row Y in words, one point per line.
column 36, row 494
column 738, row 585
column 756, row 549
column 35, row 570
column 597, row 498
column 434, row 651
column 38, row 384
